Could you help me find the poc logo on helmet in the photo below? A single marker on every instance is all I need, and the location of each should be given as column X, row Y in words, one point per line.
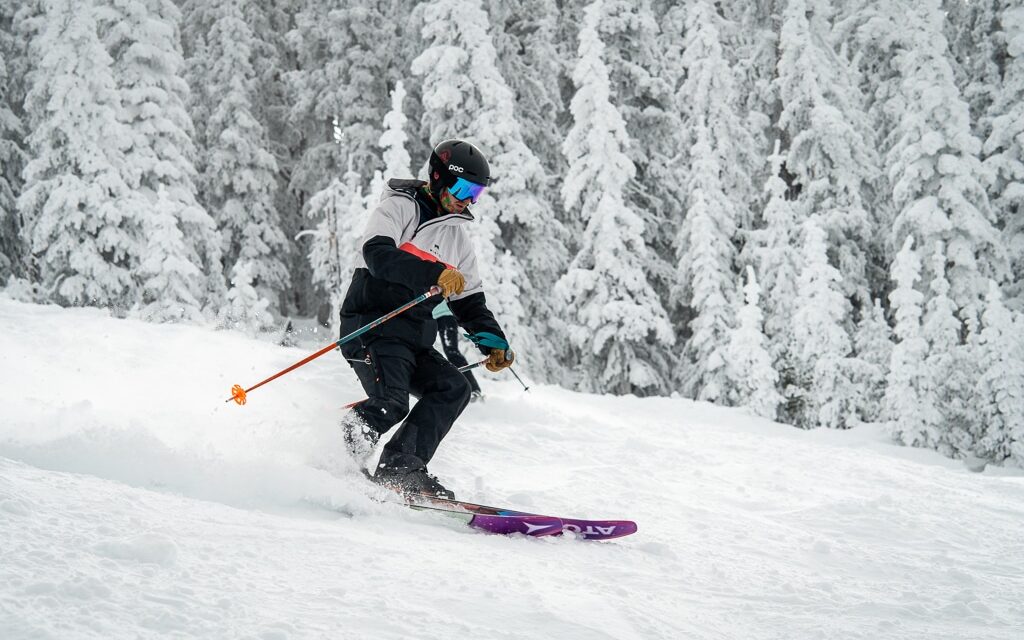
column 456, row 169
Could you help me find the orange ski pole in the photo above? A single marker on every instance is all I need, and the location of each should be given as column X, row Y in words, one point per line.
column 238, row 394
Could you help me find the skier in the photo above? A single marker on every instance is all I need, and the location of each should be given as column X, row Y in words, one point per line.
column 415, row 239
column 448, row 330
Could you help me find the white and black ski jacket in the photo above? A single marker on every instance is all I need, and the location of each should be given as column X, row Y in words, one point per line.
column 408, row 242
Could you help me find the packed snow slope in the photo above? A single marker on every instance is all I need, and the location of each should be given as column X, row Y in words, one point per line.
column 135, row 503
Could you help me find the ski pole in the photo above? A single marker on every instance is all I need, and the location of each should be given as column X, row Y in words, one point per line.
column 238, row 393
column 461, row 370
column 512, row 354
column 525, row 388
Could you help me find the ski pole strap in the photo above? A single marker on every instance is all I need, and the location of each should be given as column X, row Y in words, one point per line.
column 487, row 339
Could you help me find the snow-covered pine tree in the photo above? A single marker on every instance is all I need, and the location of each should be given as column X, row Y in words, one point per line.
column 169, row 278
column 317, row 42
column 830, row 146
column 87, row 245
column 909, row 407
column 619, row 331
column 246, row 309
column 372, row 196
column 629, row 33
column 517, row 238
column 397, row 163
column 643, row 90
column 931, row 156
column 534, row 63
column 774, row 251
column 752, row 45
column 378, row 58
column 238, row 172
column 265, row 22
column 13, row 254
column 643, row 46
column 949, row 363
column 740, row 116
column 873, row 345
column 705, row 267
column 1000, row 388
column 348, row 54
column 13, row 248
column 529, row 59
column 823, row 345
column 705, row 247
column 143, row 40
column 975, row 48
column 270, row 22
column 197, row 18
column 341, row 211
column 752, row 378
column 351, row 226
column 341, row 208
column 861, row 35
column 327, row 252
column 1004, row 148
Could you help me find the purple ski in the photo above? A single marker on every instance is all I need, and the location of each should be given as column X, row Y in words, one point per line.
column 585, row 529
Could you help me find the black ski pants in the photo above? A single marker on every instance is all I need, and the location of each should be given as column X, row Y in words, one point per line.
column 390, row 370
column 448, row 330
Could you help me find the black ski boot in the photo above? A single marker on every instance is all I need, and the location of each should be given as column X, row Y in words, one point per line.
column 415, row 482
column 360, row 438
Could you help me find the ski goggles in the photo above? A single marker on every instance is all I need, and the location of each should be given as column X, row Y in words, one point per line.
column 463, row 189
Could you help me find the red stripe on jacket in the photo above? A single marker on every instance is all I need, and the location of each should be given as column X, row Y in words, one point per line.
column 412, row 249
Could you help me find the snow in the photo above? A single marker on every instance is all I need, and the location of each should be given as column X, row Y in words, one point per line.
column 135, row 503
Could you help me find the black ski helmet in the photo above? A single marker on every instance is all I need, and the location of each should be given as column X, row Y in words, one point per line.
column 454, row 159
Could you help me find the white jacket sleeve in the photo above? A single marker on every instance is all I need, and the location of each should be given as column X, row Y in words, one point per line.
column 468, row 267
column 393, row 218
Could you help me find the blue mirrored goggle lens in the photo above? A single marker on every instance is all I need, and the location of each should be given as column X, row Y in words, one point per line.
column 463, row 189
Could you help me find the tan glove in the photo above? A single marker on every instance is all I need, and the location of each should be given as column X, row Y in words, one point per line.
column 499, row 359
column 451, row 282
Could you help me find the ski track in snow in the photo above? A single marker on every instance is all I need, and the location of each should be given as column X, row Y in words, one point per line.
column 135, row 503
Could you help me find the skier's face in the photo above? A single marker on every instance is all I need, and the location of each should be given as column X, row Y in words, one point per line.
column 451, row 204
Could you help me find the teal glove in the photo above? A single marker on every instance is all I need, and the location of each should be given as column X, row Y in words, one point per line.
column 486, row 339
